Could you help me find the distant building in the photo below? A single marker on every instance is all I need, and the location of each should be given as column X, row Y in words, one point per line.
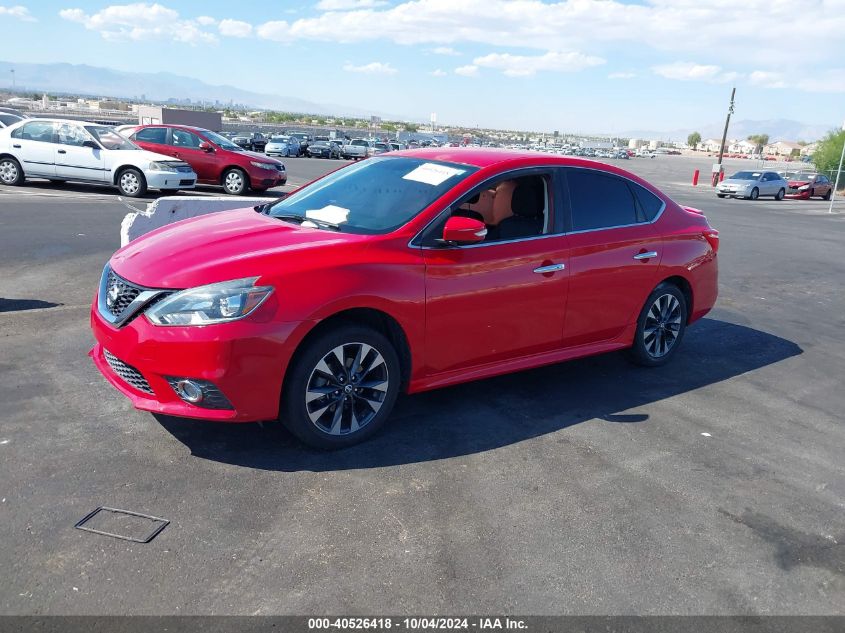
column 148, row 115
column 710, row 145
column 636, row 143
column 782, row 148
column 742, row 147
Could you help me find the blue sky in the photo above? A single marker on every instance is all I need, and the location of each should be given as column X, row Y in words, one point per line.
column 575, row 65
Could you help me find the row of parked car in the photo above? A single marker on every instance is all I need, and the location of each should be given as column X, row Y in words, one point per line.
column 800, row 185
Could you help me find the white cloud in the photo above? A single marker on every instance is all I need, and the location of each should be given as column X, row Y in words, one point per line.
column 525, row 65
column 824, row 81
column 17, row 11
column 140, row 21
column 438, row 73
column 346, row 5
column 235, row 28
column 621, row 75
column 373, row 68
column 467, row 71
column 767, row 79
column 206, row 20
column 445, row 50
column 276, row 30
column 689, row 71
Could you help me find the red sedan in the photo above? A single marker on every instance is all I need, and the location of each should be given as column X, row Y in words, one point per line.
column 806, row 185
column 215, row 159
column 405, row 272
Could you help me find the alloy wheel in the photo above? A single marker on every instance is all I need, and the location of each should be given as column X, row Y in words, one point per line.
column 346, row 389
column 662, row 325
column 129, row 183
column 8, row 172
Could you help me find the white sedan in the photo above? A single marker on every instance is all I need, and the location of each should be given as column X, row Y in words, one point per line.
column 61, row 150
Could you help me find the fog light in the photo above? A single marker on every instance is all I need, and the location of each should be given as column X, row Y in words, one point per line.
column 189, row 391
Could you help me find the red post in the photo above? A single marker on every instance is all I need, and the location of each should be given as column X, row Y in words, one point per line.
column 721, row 175
column 695, row 178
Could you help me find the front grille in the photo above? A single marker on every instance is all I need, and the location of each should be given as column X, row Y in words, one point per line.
column 119, row 294
column 185, row 169
column 129, row 374
column 186, row 181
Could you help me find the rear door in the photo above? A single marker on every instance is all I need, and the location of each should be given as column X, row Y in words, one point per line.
column 153, row 139
column 33, row 144
column 614, row 254
column 75, row 162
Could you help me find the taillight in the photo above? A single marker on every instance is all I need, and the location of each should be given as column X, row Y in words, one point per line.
column 712, row 236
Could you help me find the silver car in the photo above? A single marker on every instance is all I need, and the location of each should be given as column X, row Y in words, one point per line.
column 752, row 185
column 282, row 146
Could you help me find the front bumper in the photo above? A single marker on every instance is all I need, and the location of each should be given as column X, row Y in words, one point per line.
column 170, row 179
column 266, row 179
column 798, row 195
column 245, row 359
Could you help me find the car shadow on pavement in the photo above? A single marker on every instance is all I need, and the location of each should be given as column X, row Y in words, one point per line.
column 496, row 412
column 16, row 305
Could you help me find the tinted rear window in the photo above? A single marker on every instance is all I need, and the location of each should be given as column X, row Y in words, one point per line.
column 152, row 135
column 599, row 200
column 649, row 203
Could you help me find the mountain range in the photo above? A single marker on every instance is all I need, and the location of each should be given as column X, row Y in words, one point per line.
column 95, row 81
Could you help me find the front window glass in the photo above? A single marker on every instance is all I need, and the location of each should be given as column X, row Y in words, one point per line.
column 182, row 138
column 71, row 135
column 110, row 139
column 221, row 141
column 374, row 196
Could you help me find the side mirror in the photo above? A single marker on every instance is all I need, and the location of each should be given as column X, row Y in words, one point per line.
column 206, row 147
column 460, row 230
column 90, row 144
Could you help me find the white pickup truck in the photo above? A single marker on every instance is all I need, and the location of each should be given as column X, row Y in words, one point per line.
column 355, row 149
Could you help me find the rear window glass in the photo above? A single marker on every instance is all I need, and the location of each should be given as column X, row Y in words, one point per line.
column 649, row 203
column 599, row 200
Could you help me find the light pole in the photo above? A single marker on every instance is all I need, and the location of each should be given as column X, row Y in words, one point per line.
column 13, row 79
column 836, row 185
column 717, row 171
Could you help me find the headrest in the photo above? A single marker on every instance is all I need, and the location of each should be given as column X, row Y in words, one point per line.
column 528, row 198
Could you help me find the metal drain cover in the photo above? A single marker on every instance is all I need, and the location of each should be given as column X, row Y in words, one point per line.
column 122, row 524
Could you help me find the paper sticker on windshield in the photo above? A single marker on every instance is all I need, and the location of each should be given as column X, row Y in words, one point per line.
column 432, row 174
column 329, row 213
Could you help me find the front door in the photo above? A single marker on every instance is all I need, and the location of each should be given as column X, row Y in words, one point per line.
column 76, row 162
column 185, row 146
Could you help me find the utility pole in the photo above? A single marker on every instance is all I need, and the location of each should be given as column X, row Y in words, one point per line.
column 717, row 168
column 836, row 185
column 13, row 79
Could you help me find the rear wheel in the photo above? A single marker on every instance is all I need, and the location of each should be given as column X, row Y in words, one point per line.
column 660, row 326
column 10, row 172
column 131, row 183
column 235, row 182
column 780, row 194
column 341, row 387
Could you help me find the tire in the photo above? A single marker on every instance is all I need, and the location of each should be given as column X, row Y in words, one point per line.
column 11, row 172
column 720, row 195
column 662, row 320
column 327, row 421
column 131, row 183
column 755, row 193
column 829, row 194
column 235, row 181
column 780, row 194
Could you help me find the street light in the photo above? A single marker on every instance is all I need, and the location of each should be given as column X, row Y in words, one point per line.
column 836, row 185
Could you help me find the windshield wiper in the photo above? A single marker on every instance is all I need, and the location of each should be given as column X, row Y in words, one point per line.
column 265, row 207
column 299, row 219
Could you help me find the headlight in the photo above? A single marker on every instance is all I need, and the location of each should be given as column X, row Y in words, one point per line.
column 215, row 303
column 803, row 187
column 156, row 166
column 261, row 165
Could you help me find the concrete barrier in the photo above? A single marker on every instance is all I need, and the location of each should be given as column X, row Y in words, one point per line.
column 172, row 209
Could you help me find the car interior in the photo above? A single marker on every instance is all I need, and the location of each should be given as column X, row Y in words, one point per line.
column 510, row 209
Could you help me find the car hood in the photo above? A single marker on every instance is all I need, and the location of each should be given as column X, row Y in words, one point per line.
column 138, row 157
column 262, row 157
column 219, row 247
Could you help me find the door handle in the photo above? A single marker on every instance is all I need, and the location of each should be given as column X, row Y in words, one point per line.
column 62, row 151
column 648, row 255
column 16, row 146
column 551, row 268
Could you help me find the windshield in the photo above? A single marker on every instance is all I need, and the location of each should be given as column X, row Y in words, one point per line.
column 803, row 176
column 357, row 142
column 221, row 141
column 110, row 139
column 374, row 196
column 746, row 175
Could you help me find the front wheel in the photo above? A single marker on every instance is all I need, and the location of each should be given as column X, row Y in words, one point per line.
column 829, row 194
column 755, row 193
column 10, row 172
column 235, row 182
column 131, row 183
column 720, row 195
column 341, row 387
column 780, row 194
column 660, row 326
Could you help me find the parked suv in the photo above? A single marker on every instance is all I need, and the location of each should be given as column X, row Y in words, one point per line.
column 216, row 159
column 253, row 141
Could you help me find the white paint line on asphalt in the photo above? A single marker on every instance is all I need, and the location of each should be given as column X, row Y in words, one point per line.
column 706, row 435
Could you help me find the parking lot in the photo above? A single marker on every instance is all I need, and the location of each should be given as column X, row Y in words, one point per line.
column 713, row 485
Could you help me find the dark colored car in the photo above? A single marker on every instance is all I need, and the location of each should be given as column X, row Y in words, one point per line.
column 252, row 141
column 404, row 272
column 215, row 159
column 323, row 149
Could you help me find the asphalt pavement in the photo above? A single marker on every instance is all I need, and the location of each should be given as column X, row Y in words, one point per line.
column 714, row 485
